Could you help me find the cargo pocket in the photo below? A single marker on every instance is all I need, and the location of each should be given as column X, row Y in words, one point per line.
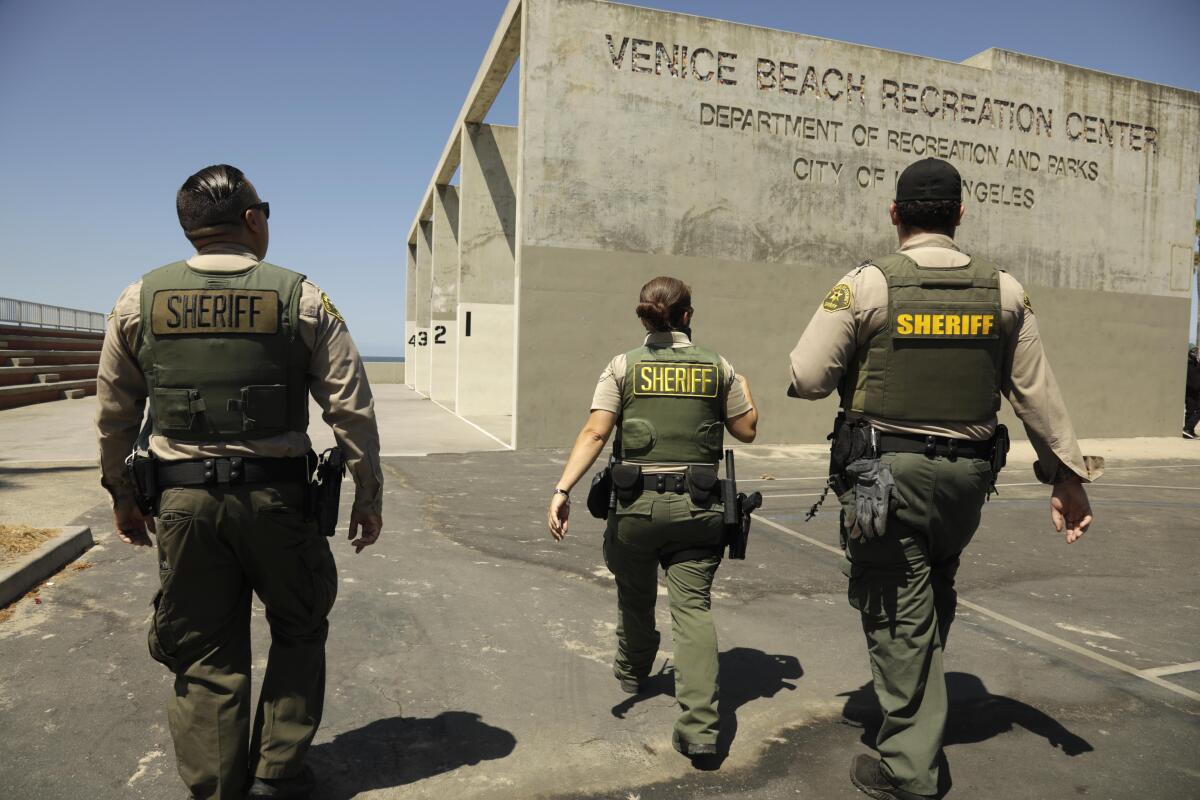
column 264, row 407
column 323, row 572
column 164, row 647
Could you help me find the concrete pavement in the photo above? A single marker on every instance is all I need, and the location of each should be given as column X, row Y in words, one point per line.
column 469, row 654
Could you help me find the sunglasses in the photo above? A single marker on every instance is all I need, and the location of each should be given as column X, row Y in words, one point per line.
column 264, row 207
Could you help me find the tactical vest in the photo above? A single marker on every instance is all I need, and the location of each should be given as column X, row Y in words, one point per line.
column 222, row 354
column 672, row 406
column 939, row 357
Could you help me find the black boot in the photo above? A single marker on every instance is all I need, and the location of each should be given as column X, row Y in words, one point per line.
column 866, row 774
column 297, row 786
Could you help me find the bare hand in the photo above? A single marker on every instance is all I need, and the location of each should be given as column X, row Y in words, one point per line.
column 132, row 526
column 559, row 516
column 365, row 528
column 1070, row 509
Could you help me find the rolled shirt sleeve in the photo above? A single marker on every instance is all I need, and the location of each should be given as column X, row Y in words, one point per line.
column 340, row 387
column 121, row 392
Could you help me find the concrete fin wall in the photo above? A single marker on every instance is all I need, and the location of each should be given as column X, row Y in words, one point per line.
column 421, row 292
column 487, row 265
column 758, row 166
column 410, row 313
column 443, row 333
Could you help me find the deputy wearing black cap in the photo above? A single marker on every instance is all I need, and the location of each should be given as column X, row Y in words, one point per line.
column 921, row 344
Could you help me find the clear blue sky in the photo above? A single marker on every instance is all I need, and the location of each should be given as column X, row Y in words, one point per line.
column 338, row 110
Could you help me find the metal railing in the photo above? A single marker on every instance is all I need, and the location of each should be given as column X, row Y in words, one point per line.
column 40, row 315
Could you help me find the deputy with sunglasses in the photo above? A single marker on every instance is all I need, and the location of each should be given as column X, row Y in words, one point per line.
column 226, row 349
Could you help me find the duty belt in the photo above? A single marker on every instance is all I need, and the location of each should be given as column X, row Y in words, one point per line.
column 233, row 470
column 671, row 483
column 933, row 446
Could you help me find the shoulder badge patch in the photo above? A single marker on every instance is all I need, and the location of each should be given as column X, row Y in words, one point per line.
column 330, row 308
column 1028, row 305
column 838, row 299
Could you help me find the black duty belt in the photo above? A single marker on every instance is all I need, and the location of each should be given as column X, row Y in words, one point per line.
column 933, row 446
column 674, row 483
column 665, row 482
column 209, row 471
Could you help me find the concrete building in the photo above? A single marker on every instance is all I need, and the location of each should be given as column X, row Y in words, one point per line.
column 757, row 165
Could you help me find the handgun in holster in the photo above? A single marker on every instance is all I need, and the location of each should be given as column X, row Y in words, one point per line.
column 738, row 508
column 143, row 474
column 325, row 489
column 1000, row 445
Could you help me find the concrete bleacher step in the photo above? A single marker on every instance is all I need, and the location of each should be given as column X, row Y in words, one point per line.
column 10, row 376
column 48, row 377
column 25, row 394
column 16, row 331
column 26, row 358
column 49, row 342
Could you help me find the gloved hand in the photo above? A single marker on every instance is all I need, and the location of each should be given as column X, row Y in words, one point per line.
column 873, row 487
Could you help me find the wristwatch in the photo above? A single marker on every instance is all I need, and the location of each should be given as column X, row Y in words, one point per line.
column 563, row 492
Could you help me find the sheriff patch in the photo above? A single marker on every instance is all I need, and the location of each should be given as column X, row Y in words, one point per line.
column 1025, row 302
column 946, row 325
column 206, row 311
column 838, row 299
column 675, row 379
column 330, row 308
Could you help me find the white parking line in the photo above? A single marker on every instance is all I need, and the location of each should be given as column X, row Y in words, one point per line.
column 1173, row 669
column 1146, row 675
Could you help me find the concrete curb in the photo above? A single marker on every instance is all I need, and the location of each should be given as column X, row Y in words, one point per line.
column 52, row 556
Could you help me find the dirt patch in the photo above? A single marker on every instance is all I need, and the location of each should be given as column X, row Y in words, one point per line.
column 17, row 540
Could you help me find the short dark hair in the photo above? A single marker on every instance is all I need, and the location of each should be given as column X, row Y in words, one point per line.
column 935, row 216
column 213, row 197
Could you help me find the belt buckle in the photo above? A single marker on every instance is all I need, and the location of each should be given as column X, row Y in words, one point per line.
column 931, row 447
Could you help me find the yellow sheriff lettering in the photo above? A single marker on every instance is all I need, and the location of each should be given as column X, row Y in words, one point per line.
column 947, row 324
column 675, row 380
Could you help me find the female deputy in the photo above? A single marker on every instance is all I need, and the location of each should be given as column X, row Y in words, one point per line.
column 674, row 401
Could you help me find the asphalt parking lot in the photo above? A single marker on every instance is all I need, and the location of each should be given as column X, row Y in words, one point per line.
column 469, row 653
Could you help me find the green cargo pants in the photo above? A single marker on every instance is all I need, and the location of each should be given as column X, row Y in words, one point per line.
column 903, row 585
column 216, row 545
column 638, row 533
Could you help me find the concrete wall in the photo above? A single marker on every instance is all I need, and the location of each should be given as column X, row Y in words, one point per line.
column 421, row 289
column 410, row 310
column 385, row 371
column 760, row 168
column 443, row 334
column 487, row 266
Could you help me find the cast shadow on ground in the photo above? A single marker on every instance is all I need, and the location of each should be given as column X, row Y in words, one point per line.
column 401, row 750
column 976, row 715
column 746, row 675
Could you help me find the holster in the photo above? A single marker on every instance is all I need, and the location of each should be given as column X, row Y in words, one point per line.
column 143, row 474
column 325, row 489
column 1000, row 445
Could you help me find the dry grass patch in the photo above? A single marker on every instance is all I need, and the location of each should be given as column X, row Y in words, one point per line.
column 17, row 540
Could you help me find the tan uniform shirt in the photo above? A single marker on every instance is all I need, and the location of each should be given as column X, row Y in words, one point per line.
column 612, row 380
column 832, row 338
column 338, row 384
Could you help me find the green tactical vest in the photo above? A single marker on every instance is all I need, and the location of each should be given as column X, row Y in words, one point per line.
column 222, row 354
column 672, row 406
column 939, row 357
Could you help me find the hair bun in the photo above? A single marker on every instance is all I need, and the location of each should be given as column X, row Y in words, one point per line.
column 656, row 314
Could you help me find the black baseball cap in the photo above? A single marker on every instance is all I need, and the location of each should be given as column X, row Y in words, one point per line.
column 929, row 179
